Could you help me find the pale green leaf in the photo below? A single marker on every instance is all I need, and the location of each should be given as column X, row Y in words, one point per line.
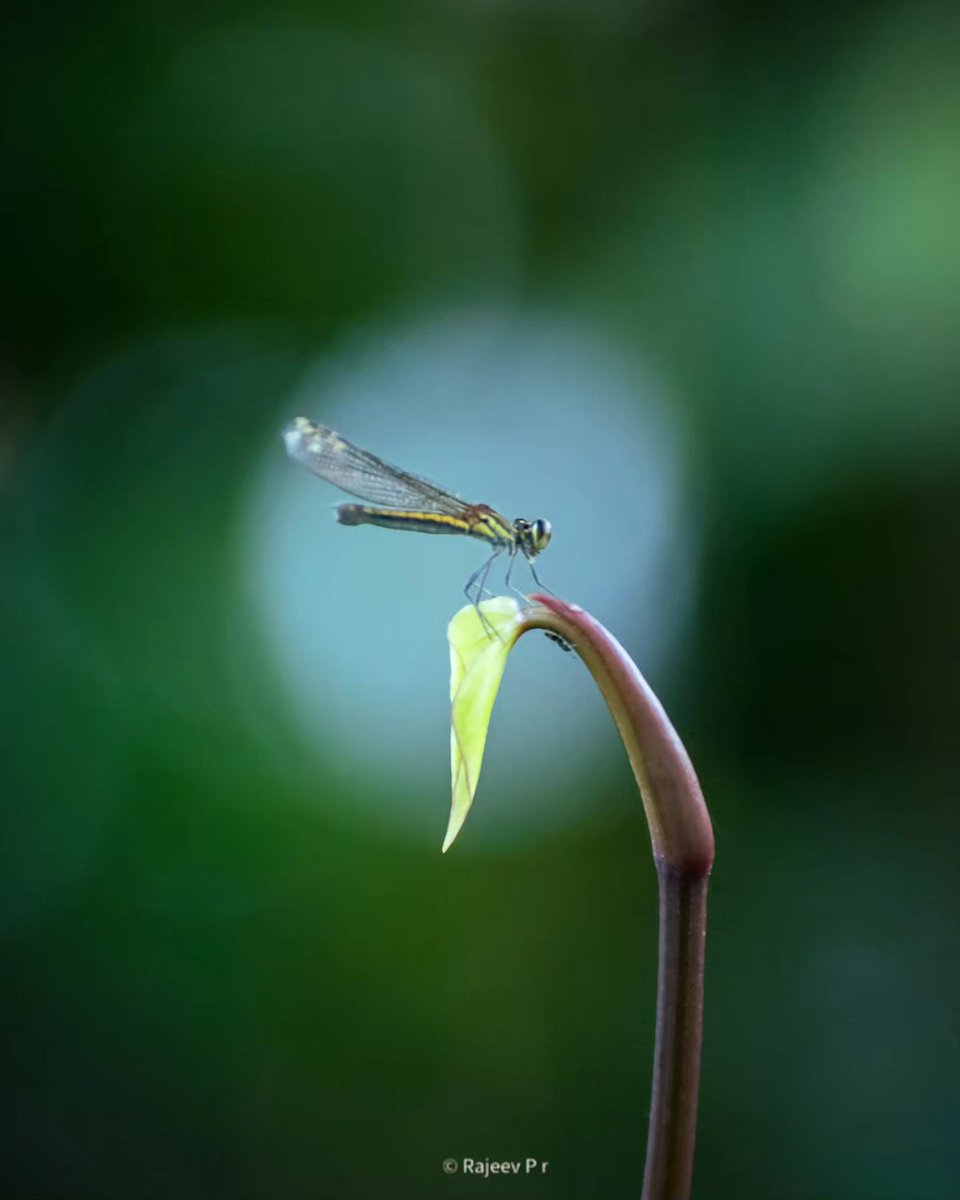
column 478, row 654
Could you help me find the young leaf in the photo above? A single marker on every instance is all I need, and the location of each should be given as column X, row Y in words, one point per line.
column 478, row 654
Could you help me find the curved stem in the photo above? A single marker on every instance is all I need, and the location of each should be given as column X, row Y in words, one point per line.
column 683, row 850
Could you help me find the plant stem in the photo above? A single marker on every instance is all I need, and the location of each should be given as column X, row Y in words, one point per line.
column 682, row 839
column 676, row 1061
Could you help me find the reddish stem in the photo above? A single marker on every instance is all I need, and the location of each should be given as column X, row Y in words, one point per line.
column 683, row 850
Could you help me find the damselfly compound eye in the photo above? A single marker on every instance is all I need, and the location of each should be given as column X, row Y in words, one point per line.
column 541, row 534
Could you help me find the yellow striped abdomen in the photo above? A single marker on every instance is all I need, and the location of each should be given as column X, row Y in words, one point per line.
column 480, row 522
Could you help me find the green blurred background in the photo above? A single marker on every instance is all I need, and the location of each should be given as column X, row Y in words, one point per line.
column 235, row 962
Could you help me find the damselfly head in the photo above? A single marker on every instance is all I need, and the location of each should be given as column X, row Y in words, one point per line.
column 532, row 536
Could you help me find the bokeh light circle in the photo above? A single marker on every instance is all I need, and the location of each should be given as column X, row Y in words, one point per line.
column 540, row 418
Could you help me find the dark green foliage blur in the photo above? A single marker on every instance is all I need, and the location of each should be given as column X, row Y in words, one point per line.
column 215, row 985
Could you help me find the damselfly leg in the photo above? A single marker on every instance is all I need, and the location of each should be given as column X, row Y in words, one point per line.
column 554, row 637
column 533, row 572
column 479, row 579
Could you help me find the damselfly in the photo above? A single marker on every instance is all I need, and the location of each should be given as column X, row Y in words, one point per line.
column 405, row 501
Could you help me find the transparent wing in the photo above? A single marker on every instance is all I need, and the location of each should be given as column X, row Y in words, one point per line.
column 362, row 474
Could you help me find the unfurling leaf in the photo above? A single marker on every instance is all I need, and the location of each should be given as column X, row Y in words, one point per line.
column 478, row 654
